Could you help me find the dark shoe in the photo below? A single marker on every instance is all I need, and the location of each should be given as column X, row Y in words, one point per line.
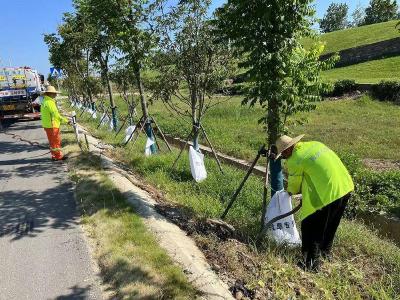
column 65, row 157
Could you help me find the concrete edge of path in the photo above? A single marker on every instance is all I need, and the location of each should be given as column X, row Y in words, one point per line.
column 181, row 248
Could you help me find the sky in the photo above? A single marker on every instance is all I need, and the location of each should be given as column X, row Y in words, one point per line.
column 23, row 23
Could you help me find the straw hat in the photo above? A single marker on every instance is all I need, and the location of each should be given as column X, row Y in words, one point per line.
column 284, row 142
column 51, row 90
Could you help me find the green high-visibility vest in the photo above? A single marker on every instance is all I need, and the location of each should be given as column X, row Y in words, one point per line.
column 50, row 116
column 319, row 174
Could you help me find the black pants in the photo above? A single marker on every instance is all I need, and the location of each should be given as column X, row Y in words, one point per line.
column 318, row 231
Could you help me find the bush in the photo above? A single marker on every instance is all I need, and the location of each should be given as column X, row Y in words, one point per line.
column 387, row 91
column 374, row 191
column 234, row 89
column 342, row 87
column 378, row 191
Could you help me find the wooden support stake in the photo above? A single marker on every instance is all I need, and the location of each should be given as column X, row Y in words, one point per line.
column 162, row 135
column 261, row 152
column 182, row 148
column 212, row 148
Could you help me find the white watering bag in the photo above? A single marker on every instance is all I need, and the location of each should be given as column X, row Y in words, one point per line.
column 104, row 119
column 73, row 104
column 94, row 115
column 197, row 166
column 283, row 230
column 128, row 133
column 111, row 125
column 149, row 143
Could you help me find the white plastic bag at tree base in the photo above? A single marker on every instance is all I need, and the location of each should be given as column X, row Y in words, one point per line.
column 128, row 133
column 104, row 119
column 149, row 143
column 283, row 231
column 197, row 167
column 94, row 115
column 77, row 130
column 72, row 104
column 111, row 125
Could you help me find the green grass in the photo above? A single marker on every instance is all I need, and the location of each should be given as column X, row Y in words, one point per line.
column 361, row 127
column 364, row 265
column 358, row 126
column 353, row 37
column 372, row 71
column 130, row 260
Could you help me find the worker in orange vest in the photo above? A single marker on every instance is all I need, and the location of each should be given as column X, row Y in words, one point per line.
column 51, row 121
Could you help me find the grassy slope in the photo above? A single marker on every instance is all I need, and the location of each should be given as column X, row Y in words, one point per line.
column 353, row 37
column 368, row 72
column 363, row 265
column 129, row 257
column 357, row 126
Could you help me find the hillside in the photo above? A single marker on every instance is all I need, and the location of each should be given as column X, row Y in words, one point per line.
column 364, row 35
column 369, row 72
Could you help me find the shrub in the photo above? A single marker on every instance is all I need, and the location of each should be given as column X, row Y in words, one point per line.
column 374, row 190
column 342, row 87
column 387, row 91
column 234, row 89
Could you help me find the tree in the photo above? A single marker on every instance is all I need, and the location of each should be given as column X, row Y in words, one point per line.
column 283, row 77
column 70, row 51
column 380, row 11
column 192, row 57
column 358, row 16
column 136, row 40
column 101, row 39
column 335, row 17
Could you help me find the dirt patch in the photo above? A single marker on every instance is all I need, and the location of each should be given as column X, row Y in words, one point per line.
column 381, row 164
column 352, row 96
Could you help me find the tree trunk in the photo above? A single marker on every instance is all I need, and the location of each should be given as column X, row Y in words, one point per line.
column 89, row 90
column 273, row 122
column 148, row 128
column 110, row 95
column 195, row 119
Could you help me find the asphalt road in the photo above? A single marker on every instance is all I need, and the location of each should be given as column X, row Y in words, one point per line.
column 43, row 253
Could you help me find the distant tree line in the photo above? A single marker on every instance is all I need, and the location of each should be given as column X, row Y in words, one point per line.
column 336, row 16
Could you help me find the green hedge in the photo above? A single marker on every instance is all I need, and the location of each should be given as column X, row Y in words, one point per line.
column 342, row 87
column 387, row 91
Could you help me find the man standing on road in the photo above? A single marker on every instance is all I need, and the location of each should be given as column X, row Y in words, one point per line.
column 51, row 121
column 325, row 184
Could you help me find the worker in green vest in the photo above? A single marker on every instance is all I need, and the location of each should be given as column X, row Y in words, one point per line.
column 319, row 175
column 51, row 122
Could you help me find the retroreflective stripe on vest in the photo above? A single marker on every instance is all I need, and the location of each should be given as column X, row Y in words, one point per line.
column 50, row 116
column 318, row 173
